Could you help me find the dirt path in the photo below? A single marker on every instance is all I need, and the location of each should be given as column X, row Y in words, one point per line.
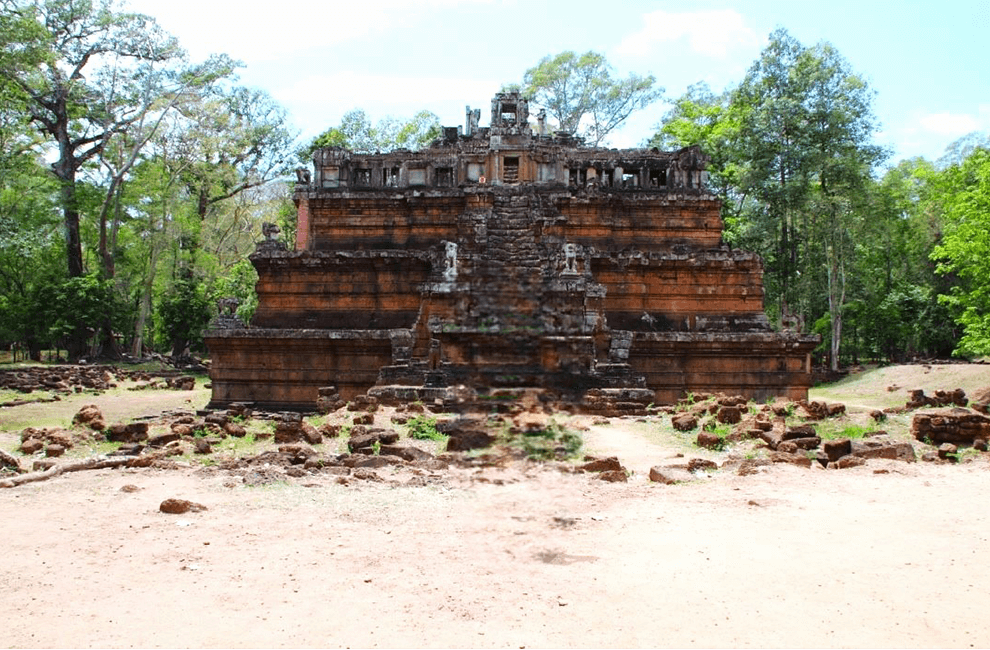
column 519, row 557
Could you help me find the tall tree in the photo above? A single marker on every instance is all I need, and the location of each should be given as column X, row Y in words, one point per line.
column 79, row 95
column 841, row 156
column 228, row 143
column 85, row 78
column 773, row 142
column 580, row 92
column 700, row 117
column 964, row 194
column 792, row 155
column 236, row 139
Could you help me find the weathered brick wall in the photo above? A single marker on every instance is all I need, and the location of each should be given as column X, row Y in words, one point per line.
column 658, row 222
column 282, row 369
column 331, row 290
column 755, row 365
column 682, row 292
column 378, row 220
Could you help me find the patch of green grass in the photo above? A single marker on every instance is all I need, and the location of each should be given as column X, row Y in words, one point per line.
column 423, row 427
column 720, row 430
column 964, row 455
column 684, row 403
column 8, row 395
column 92, row 448
column 555, row 441
column 832, row 430
column 253, row 427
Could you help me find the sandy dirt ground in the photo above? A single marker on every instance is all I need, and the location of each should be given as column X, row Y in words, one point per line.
column 888, row 554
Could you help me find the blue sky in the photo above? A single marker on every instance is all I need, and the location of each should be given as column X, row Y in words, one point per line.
column 928, row 62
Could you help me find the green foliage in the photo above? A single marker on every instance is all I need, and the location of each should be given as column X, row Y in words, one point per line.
column 182, row 314
column 965, row 248
column 423, row 427
column 356, row 133
column 792, row 156
column 852, row 431
column 238, row 282
column 580, row 93
column 720, row 430
column 555, row 441
column 700, row 117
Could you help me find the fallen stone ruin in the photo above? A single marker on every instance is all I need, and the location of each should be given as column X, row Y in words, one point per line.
column 66, row 380
column 754, row 437
column 500, row 259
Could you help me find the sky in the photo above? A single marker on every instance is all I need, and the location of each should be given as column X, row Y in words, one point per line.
column 928, row 62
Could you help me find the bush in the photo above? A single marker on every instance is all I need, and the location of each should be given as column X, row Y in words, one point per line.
column 555, row 441
column 423, row 427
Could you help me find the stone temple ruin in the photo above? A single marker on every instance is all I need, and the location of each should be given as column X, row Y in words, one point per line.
column 504, row 259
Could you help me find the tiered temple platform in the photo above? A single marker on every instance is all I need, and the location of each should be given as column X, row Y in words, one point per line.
column 500, row 259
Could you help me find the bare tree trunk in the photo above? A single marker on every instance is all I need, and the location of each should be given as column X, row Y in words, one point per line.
column 88, row 463
column 836, row 296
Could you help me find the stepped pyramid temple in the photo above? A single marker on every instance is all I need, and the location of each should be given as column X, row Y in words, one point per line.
column 504, row 259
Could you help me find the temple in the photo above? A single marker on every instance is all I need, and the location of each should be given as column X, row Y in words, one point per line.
column 504, row 258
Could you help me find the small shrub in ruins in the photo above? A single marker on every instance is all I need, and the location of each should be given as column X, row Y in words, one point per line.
column 424, row 428
column 555, row 441
column 714, row 437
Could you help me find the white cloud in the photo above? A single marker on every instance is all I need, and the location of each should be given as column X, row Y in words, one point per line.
column 950, row 124
column 260, row 30
column 709, row 33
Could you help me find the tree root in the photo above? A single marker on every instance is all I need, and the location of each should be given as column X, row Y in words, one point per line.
column 98, row 462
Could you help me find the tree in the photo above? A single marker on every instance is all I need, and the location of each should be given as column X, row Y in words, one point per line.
column 89, row 74
column 579, row 91
column 772, row 142
column 183, row 312
column 198, row 191
column 356, row 133
column 960, row 149
column 805, row 133
column 76, row 96
column 841, row 157
column 234, row 140
column 964, row 193
column 699, row 117
column 792, row 156
column 31, row 253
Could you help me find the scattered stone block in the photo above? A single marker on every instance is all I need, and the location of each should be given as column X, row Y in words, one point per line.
column 613, row 476
column 670, row 475
column 54, row 451
column 709, row 440
column 836, row 449
column 610, row 464
column 180, row 506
